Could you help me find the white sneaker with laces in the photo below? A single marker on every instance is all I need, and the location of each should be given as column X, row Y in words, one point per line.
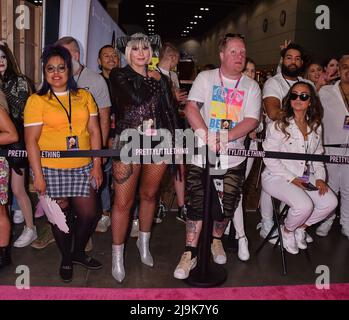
column 289, row 241
column 135, row 229
column 103, row 224
column 265, row 227
column 18, row 217
column 300, row 236
column 323, row 229
column 243, row 252
column 218, row 252
column 26, row 238
column 185, row 265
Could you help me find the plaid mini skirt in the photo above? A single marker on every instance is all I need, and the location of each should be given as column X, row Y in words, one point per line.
column 65, row 183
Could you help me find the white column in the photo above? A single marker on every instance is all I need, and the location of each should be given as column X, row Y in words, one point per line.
column 74, row 22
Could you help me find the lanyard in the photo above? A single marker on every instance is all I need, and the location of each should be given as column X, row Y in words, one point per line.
column 224, row 93
column 287, row 81
column 69, row 115
column 346, row 102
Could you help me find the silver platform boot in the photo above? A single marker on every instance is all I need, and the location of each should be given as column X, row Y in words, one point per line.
column 117, row 269
column 143, row 247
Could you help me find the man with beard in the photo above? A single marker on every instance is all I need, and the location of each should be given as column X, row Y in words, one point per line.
column 274, row 90
column 335, row 100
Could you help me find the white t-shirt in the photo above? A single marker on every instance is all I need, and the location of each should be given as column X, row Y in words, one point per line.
column 335, row 112
column 278, row 86
column 232, row 105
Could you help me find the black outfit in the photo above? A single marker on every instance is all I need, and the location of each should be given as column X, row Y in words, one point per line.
column 17, row 90
column 139, row 98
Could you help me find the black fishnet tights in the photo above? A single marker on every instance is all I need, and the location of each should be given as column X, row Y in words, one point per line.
column 126, row 177
column 82, row 218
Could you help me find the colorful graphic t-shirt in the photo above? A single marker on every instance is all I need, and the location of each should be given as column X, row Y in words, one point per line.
column 225, row 106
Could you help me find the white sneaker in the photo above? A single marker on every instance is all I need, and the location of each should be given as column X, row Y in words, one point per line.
column 265, row 229
column 308, row 238
column 135, row 229
column 243, row 252
column 323, row 229
column 18, row 216
column 26, row 238
column 218, row 252
column 103, row 224
column 300, row 236
column 185, row 265
column 289, row 241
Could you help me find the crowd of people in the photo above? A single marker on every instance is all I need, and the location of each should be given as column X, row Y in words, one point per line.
column 303, row 108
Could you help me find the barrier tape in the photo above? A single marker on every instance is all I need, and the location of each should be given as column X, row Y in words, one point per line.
column 339, row 159
column 339, row 145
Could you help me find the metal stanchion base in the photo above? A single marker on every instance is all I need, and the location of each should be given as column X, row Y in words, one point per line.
column 215, row 276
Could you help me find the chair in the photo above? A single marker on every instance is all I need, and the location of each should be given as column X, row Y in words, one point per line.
column 278, row 217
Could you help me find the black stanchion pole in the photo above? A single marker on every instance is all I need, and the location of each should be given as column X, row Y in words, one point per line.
column 207, row 274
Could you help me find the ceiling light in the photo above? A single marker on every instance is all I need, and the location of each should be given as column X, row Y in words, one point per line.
column 207, row 9
column 195, row 22
column 202, row 9
column 191, row 22
column 151, row 6
column 190, row 27
column 147, row 5
column 200, row 17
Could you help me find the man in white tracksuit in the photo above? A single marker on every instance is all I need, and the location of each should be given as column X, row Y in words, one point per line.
column 334, row 99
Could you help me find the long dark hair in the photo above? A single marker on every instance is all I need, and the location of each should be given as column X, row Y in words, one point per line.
column 12, row 70
column 57, row 51
column 314, row 112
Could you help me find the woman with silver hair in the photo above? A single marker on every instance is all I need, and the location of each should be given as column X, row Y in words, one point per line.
column 144, row 102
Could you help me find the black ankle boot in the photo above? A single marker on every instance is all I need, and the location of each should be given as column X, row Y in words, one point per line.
column 5, row 256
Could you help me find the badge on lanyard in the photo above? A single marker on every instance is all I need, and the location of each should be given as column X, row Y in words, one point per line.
column 306, row 174
column 72, row 143
column 346, row 123
column 226, row 124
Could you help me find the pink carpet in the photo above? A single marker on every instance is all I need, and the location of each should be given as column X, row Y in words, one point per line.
column 301, row 292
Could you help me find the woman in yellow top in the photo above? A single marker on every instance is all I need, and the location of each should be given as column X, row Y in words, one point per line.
column 62, row 117
column 8, row 134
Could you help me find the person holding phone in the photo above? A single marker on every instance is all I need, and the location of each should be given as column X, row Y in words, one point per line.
column 62, row 117
column 298, row 183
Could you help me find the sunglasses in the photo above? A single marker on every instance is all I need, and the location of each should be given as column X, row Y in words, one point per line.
column 302, row 96
column 60, row 68
column 234, row 35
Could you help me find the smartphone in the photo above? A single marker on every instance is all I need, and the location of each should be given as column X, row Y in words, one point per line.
column 309, row 186
column 93, row 183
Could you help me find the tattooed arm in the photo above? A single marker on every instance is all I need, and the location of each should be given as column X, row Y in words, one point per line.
column 192, row 112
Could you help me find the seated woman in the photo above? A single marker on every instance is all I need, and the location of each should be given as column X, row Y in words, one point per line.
column 300, row 184
column 62, row 117
column 144, row 100
column 8, row 134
